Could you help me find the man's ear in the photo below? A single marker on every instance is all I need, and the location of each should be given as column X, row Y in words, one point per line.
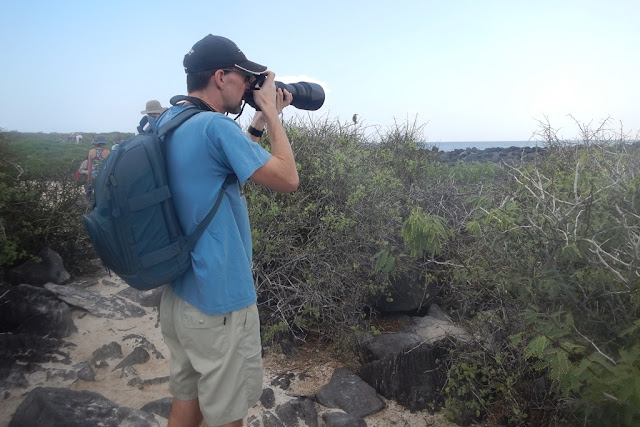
column 218, row 78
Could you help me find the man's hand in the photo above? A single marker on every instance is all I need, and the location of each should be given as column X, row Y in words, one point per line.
column 282, row 98
column 279, row 173
column 269, row 98
column 265, row 96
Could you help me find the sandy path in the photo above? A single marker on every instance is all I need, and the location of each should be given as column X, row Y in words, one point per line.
column 317, row 365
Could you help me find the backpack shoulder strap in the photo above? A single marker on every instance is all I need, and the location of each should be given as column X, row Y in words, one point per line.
column 170, row 126
column 193, row 239
column 177, row 120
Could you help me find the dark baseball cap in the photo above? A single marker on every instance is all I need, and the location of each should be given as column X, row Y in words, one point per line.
column 214, row 52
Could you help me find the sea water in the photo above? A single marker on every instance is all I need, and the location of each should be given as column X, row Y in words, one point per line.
column 481, row 145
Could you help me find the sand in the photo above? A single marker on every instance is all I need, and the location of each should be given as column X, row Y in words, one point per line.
column 317, row 363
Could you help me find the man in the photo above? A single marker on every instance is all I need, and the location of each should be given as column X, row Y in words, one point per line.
column 209, row 317
column 153, row 108
column 95, row 159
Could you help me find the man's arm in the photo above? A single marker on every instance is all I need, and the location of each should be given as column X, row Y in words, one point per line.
column 283, row 100
column 279, row 173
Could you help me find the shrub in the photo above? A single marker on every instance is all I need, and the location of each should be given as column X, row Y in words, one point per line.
column 541, row 260
column 555, row 252
column 39, row 210
column 315, row 251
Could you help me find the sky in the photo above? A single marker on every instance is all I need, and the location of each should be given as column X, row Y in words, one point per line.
column 465, row 70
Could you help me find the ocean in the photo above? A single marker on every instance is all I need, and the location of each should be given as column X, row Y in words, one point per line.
column 481, row 145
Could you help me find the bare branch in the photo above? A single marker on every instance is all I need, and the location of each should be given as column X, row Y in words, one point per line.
column 595, row 346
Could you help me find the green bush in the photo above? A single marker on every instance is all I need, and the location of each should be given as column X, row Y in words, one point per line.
column 540, row 261
column 40, row 209
column 315, row 251
column 555, row 250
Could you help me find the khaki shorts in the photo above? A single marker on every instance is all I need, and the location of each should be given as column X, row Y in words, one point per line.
column 216, row 359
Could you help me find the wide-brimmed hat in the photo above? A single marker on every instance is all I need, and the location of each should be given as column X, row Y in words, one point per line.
column 215, row 52
column 153, row 106
column 100, row 140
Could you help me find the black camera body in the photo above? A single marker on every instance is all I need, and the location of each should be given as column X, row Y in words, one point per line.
column 306, row 96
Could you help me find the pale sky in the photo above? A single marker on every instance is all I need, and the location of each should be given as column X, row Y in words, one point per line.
column 481, row 70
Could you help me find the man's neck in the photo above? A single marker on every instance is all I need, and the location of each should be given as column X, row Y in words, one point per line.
column 208, row 100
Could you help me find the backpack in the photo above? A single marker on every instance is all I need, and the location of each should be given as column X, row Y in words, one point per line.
column 133, row 226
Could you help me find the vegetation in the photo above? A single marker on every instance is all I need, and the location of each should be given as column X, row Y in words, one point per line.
column 540, row 260
column 40, row 203
column 47, row 154
column 554, row 254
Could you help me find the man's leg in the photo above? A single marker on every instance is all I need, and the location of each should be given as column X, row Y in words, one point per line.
column 185, row 413
column 215, row 365
column 231, row 424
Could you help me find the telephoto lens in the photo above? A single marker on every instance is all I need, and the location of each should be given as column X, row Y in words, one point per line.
column 306, row 96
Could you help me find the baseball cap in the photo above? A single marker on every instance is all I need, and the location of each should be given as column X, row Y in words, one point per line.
column 214, row 52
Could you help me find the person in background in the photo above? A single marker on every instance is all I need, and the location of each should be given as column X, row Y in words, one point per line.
column 209, row 317
column 95, row 158
column 153, row 109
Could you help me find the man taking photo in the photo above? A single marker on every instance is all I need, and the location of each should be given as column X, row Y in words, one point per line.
column 209, row 317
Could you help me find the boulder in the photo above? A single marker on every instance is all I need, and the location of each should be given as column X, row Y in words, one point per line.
column 436, row 312
column 144, row 342
column 70, row 408
column 160, row 407
column 283, row 380
column 85, row 371
column 298, row 412
column 388, row 345
column 150, row 298
column 137, row 357
column 268, row 398
column 27, row 348
column 510, row 155
column 350, row 393
column 49, row 268
column 431, row 330
column 140, row 383
column 86, row 282
column 35, row 311
column 406, row 294
column 475, row 157
column 107, row 351
column 340, row 419
column 13, row 375
column 268, row 420
column 412, row 377
column 61, row 376
column 113, row 307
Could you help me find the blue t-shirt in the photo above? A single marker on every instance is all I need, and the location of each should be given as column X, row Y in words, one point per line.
column 201, row 154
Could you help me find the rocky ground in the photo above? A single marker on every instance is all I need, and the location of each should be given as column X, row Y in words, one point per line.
column 133, row 383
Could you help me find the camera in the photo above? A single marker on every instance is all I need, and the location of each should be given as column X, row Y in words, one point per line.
column 306, row 96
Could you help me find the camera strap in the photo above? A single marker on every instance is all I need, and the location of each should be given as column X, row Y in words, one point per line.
column 199, row 103
column 192, row 99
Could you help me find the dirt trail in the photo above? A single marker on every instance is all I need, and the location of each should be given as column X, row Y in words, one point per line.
column 312, row 367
